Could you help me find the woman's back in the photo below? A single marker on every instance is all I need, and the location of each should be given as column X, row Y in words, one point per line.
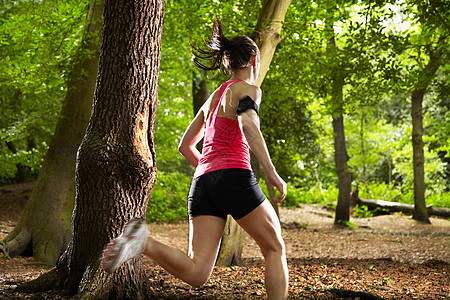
column 230, row 98
column 224, row 145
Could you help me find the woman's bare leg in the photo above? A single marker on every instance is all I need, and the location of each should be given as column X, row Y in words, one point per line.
column 195, row 267
column 263, row 226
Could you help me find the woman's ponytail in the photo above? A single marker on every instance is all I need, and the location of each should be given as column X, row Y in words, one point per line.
column 237, row 52
column 218, row 40
column 217, row 47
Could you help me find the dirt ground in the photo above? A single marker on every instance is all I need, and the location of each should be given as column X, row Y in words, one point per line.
column 390, row 257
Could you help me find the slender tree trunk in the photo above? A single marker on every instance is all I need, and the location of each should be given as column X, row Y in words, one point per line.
column 116, row 167
column 200, row 90
column 45, row 225
column 363, row 153
column 200, row 93
column 340, row 155
column 266, row 35
column 344, row 176
column 420, row 209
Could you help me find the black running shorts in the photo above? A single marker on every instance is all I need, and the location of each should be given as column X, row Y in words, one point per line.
column 222, row 192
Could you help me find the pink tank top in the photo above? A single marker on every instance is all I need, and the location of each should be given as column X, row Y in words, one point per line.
column 224, row 145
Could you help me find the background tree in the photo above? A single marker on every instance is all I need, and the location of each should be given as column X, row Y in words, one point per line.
column 329, row 69
column 45, row 225
column 116, row 161
column 434, row 33
column 417, row 52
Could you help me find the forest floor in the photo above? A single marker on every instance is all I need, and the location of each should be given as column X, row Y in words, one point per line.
column 390, row 257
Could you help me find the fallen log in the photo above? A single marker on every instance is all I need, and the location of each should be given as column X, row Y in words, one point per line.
column 396, row 206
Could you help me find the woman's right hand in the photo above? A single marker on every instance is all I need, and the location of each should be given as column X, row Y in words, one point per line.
column 279, row 183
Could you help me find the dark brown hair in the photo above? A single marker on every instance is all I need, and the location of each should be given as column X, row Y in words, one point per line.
column 236, row 53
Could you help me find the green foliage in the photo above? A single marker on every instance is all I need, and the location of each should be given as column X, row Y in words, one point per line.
column 168, row 201
column 38, row 45
column 9, row 161
column 389, row 279
column 349, row 224
column 362, row 212
column 297, row 196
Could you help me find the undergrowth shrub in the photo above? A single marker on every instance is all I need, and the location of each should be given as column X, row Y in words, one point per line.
column 168, row 201
column 362, row 212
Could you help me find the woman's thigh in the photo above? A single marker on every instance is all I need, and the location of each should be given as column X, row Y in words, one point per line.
column 263, row 225
column 205, row 233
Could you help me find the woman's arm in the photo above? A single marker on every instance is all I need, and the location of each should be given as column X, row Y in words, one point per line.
column 191, row 137
column 249, row 123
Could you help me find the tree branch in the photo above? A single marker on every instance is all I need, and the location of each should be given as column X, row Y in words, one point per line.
column 439, row 16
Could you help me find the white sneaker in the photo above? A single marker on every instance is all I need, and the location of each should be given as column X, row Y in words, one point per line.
column 128, row 245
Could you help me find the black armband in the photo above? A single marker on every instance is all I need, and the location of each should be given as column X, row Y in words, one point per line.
column 245, row 104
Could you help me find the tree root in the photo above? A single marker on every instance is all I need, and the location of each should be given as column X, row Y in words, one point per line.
column 17, row 245
column 4, row 249
column 46, row 282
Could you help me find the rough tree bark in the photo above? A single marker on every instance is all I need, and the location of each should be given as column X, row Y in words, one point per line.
column 45, row 225
column 266, row 35
column 116, row 167
column 425, row 77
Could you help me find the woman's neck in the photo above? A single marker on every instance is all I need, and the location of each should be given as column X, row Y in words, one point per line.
column 245, row 74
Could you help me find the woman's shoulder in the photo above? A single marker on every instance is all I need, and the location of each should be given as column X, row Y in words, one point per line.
column 245, row 89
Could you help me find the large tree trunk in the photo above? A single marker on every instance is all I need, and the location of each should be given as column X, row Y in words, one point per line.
column 420, row 209
column 266, row 35
column 116, row 167
column 46, row 223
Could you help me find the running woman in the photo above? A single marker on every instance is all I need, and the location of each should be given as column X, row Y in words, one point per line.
column 223, row 181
